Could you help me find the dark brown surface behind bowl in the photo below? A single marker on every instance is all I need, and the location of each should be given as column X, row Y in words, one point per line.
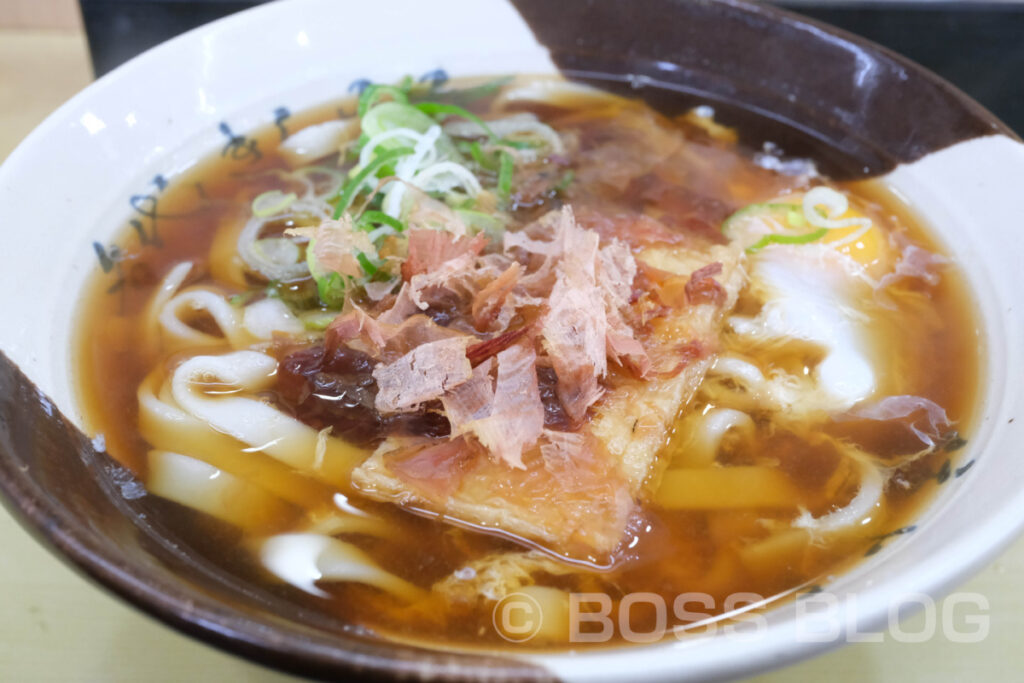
column 95, row 514
column 858, row 109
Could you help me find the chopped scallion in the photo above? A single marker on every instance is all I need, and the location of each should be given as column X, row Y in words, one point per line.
column 371, row 218
column 521, row 144
column 475, row 92
column 368, row 266
column 360, row 143
column 505, row 175
column 373, row 93
column 272, row 202
column 318, row 321
column 480, row 158
column 434, row 108
column 775, row 238
column 348, row 193
column 479, row 221
column 565, row 181
column 240, row 300
column 331, row 288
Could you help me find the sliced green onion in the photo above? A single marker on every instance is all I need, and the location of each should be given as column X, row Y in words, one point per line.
column 520, row 144
column 475, row 92
column 372, row 93
column 754, row 209
column 318, row 321
column 360, row 143
column 297, row 295
column 276, row 258
column 330, row 286
column 331, row 289
column 376, row 201
column 505, row 175
column 369, row 267
column 240, row 300
column 353, row 185
column 478, row 221
column 272, row 202
column 434, row 108
column 458, row 200
column 309, row 175
column 565, row 181
column 776, row 238
column 369, row 218
column 391, row 115
column 789, row 215
column 480, row 158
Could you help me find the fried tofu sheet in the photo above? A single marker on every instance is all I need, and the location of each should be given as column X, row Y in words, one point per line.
column 576, row 496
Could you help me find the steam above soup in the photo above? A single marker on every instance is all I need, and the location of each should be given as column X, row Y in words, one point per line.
column 526, row 336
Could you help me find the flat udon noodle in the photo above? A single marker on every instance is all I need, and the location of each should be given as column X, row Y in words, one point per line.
column 579, row 504
column 303, row 559
column 706, row 432
column 179, row 334
column 167, row 327
column 165, row 426
column 201, row 486
column 207, row 388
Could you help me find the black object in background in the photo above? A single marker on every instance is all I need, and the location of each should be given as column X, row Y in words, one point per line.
column 975, row 45
column 120, row 29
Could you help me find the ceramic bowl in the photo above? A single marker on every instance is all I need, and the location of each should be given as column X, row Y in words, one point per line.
column 105, row 155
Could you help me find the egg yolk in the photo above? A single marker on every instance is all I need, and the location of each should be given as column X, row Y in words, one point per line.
column 870, row 248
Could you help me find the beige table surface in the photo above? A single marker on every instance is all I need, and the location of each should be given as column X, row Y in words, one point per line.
column 54, row 626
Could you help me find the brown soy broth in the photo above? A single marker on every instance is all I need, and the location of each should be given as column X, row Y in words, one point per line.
column 674, row 552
